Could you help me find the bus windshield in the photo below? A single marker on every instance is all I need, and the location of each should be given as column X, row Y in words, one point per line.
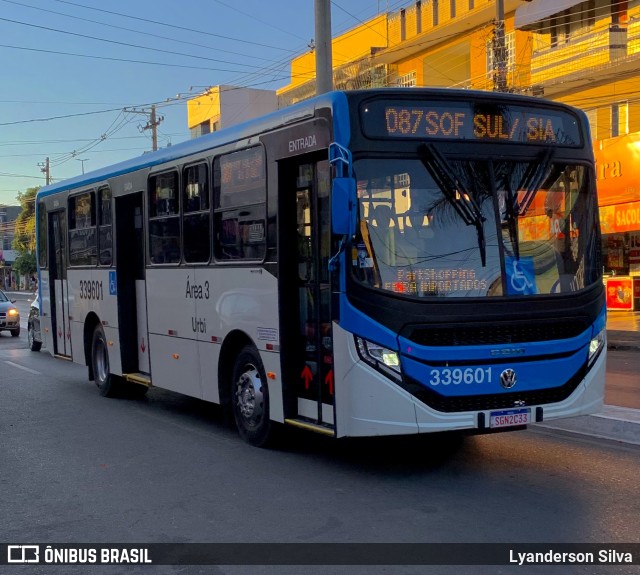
column 438, row 227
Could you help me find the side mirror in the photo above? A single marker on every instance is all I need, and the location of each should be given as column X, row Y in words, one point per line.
column 344, row 206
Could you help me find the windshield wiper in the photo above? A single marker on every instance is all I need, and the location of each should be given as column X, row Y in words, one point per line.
column 531, row 181
column 455, row 192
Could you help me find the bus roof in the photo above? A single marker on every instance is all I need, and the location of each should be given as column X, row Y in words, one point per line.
column 335, row 100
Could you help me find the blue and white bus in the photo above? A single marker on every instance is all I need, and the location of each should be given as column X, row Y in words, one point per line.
column 379, row 262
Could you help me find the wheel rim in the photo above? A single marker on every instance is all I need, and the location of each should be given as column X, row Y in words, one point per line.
column 101, row 361
column 249, row 399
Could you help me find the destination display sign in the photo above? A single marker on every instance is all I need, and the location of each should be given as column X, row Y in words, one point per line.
column 470, row 121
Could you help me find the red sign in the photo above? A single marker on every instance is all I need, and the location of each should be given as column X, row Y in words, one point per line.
column 620, row 294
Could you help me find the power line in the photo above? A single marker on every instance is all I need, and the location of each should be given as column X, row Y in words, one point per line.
column 126, row 44
column 112, row 59
column 148, row 20
column 163, row 37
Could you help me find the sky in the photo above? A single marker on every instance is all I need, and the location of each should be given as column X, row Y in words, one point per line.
column 77, row 73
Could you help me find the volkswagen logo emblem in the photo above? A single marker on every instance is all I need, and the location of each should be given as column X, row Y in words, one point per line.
column 508, row 378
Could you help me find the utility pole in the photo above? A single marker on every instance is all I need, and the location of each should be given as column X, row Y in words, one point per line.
column 44, row 168
column 499, row 51
column 324, row 60
column 152, row 124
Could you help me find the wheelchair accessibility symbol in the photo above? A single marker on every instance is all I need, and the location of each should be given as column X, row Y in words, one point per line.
column 520, row 276
column 113, row 285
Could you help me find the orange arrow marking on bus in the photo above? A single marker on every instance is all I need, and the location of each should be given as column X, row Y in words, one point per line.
column 329, row 381
column 307, row 375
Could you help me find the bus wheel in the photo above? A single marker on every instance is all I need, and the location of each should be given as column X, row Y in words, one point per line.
column 250, row 398
column 106, row 382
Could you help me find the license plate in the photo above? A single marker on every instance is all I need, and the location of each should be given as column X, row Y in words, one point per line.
column 510, row 417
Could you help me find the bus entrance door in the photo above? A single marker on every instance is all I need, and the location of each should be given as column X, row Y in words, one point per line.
column 306, row 294
column 60, row 323
column 131, row 287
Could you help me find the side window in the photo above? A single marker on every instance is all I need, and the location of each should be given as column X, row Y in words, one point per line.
column 42, row 235
column 195, row 220
column 105, row 233
column 83, row 248
column 240, row 188
column 164, row 219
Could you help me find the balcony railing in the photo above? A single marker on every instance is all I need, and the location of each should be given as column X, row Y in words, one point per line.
column 582, row 52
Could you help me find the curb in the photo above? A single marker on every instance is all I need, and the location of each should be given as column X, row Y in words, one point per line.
column 613, row 423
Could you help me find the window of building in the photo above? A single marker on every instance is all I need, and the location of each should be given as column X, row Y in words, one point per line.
column 589, row 15
column 452, row 8
column 619, row 11
column 201, row 129
column 510, row 49
column 418, row 17
column 105, row 231
column 403, row 24
column 554, row 32
column 436, row 9
column 240, row 192
column 408, row 80
column 83, row 250
column 164, row 219
column 592, row 116
column 195, row 219
column 619, row 119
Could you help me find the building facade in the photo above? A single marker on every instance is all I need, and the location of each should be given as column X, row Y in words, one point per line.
column 8, row 215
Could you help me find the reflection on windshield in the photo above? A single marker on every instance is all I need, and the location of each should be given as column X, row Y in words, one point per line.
column 438, row 227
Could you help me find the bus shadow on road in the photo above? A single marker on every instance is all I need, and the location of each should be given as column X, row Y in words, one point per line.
column 401, row 454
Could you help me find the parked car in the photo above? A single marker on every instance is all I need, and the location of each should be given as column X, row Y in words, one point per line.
column 34, row 337
column 9, row 315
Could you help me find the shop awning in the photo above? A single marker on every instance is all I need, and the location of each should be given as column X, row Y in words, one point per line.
column 537, row 10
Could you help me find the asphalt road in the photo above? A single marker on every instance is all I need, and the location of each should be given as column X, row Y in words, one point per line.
column 76, row 467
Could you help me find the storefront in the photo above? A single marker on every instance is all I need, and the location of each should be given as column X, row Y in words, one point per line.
column 618, row 169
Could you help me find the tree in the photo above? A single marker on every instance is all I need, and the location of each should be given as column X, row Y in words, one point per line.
column 24, row 239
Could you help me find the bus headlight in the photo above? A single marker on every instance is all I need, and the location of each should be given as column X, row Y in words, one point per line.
column 595, row 346
column 379, row 357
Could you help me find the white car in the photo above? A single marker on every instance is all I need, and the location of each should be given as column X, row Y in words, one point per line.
column 34, row 338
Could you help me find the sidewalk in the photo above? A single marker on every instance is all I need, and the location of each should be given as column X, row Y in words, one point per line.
column 623, row 330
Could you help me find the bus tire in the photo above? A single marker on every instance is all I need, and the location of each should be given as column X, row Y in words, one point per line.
column 107, row 382
column 250, row 398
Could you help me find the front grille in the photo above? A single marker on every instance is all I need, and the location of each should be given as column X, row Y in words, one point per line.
column 498, row 332
column 493, row 401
